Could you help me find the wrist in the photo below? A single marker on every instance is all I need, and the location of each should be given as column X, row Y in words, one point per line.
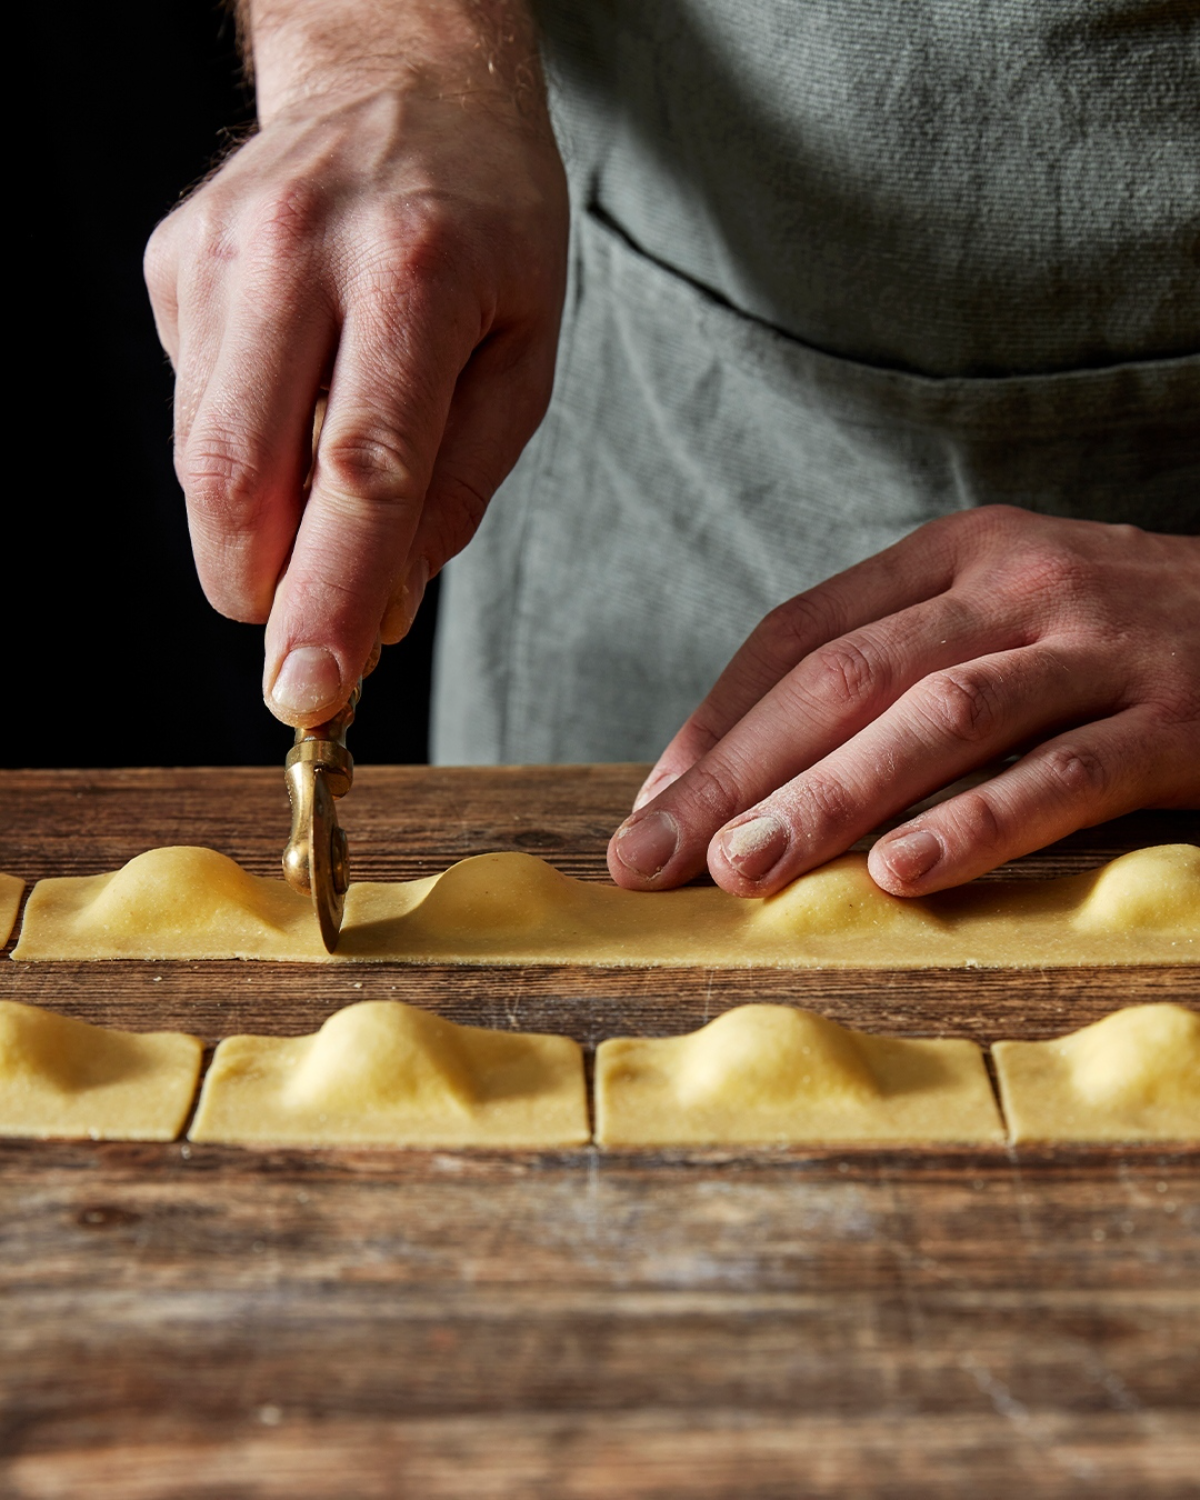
column 308, row 55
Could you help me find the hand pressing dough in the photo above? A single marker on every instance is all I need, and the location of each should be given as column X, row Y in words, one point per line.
column 1135, row 1076
column 383, row 1073
column 1143, row 908
column 60, row 1077
column 771, row 1074
column 10, row 903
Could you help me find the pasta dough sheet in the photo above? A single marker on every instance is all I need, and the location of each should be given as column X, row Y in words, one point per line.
column 10, row 904
column 182, row 903
column 1135, row 1076
column 60, row 1077
column 384, row 1073
column 770, row 1074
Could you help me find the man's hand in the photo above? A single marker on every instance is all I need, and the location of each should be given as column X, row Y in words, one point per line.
column 394, row 235
column 980, row 634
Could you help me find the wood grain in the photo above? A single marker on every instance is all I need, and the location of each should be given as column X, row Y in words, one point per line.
column 206, row 1321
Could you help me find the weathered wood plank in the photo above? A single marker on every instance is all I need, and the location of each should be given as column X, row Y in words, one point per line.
column 219, row 999
column 1084, row 1218
column 274, row 1454
column 1030, row 1306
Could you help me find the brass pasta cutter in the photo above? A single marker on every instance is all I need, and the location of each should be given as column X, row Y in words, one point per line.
column 316, row 861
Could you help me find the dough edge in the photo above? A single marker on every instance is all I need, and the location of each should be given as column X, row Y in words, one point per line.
column 11, row 890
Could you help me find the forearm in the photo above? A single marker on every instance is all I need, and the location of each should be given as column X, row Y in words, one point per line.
column 304, row 51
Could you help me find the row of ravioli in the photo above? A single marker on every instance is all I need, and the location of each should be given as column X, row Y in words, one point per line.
column 384, row 1073
column 511, row 908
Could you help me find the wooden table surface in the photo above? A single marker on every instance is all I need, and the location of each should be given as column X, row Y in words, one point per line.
column 208, row 1321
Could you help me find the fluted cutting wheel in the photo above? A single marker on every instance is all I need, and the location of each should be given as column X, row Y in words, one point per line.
column 328, row 864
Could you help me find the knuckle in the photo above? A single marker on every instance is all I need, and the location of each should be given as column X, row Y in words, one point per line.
column 289, row 214
column 964, row 703
column 847, row 673
column 976, row 822
column 222, row 481
column 790, row 629
column 416, row 245
column 714, row 792
column 1056, row 574
column 824, row 808
column 428, row 236
column 993, row 517
column 1078, row 773
column 367, row 463
column 206, row 233
column 980, row 525
column 1124, row 534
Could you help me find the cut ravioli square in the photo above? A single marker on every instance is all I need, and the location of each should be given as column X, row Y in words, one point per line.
column 61, row 1077
column 1134, row 1076
column 384, row 1073
column 771, row 1074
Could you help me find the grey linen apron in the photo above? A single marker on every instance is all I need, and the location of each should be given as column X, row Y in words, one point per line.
column 838, row 267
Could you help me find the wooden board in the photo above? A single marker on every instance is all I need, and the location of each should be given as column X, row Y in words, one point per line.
column 205, row 1321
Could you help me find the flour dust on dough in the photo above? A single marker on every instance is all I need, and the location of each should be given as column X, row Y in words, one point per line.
column 511, row 908
column 10, row 903
column 384, row 1073
column 770, row 1074
column 1134, row 1076
column 61, row 1077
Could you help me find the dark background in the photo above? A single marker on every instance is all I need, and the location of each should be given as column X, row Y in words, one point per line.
column 118, row 658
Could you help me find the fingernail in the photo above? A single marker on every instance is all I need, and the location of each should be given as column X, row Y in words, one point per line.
column 755, row 847
column 646, row 846
column 912, row 855
column 656, row 782
column 402, row 608
column 308, row 679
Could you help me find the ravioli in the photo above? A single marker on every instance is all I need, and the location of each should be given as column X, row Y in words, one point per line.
column 385, row 1073
column 61, row 1077
column 1134, row 1076
column 771, row 1074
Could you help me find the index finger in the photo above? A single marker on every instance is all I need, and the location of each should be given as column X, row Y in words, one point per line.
column 392, row 384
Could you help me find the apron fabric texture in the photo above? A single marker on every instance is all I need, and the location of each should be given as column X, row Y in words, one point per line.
column 836, row 269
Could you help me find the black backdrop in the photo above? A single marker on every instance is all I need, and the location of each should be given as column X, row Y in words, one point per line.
column 115, row 657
